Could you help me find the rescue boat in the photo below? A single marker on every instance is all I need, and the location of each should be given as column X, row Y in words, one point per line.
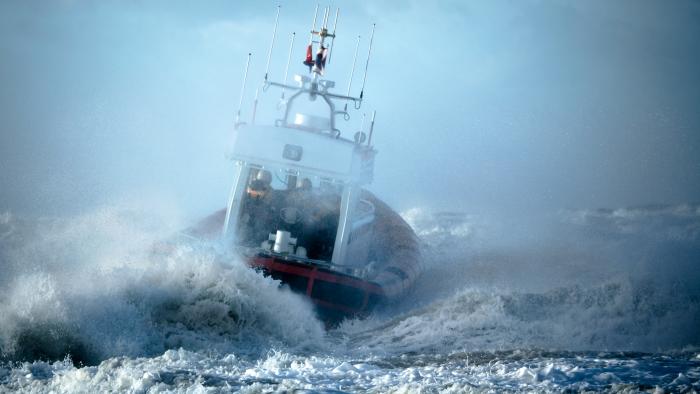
column 298, row 209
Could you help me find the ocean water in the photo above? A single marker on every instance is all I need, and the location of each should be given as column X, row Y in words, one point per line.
column 572, row 300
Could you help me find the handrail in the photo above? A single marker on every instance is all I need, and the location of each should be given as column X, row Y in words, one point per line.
column 314, row 91
column 365, row 217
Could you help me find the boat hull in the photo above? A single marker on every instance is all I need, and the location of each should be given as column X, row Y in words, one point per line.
column 393, row 252
column 335, row 295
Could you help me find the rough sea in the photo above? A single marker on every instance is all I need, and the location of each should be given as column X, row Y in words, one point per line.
column 572, row 300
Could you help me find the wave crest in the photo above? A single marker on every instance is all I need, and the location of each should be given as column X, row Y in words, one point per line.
column 92, row 288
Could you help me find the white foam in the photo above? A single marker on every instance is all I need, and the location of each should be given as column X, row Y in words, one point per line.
column 199, row 320
column 93, row 284
column 184, row 371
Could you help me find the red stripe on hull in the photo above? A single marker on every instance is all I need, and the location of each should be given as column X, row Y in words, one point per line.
column 317, row 276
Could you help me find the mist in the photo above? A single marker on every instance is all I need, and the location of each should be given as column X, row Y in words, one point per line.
column 500, row 106
column 544, row 153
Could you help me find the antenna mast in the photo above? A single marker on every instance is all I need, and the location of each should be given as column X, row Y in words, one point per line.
column 352, row 71
column 325, row 17
column 371, row 128
column 369, row 52
column 289, row 59
column 315, row 86
column 272, row 43
column 240, row 102
column 267, row 67
column 313, row 26
column 335, row 24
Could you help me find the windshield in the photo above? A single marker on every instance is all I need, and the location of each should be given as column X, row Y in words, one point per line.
column 306, row 206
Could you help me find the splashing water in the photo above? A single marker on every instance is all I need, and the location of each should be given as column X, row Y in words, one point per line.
column 580, row 300
column 94, row 288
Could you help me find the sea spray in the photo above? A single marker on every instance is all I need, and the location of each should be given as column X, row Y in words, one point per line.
column 496, row 283
column 583, row 300
column 93, row 288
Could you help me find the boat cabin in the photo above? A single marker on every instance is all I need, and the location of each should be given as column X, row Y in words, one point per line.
column 297, row 189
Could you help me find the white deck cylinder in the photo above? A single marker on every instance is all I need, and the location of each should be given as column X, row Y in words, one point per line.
column 283, row 239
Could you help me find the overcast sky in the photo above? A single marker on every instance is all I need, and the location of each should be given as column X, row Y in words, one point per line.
column 481, row 105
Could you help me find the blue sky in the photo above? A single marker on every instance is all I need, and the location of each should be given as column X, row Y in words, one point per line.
column 481, row 105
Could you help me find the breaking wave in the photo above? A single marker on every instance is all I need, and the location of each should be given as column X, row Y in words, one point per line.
column 561, row 301
column 93, row 287
column 617, row 280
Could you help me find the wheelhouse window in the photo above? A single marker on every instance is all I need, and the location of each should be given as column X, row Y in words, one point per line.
column 305, row 205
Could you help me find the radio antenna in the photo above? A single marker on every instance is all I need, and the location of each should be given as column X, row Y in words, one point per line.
column 325, row 17
column 371, row 128
column 272, row 43
column 352, row 71
column 240, row 102
column 335, row 24
column 369, row 52
column 313, row 26
column 289, row 59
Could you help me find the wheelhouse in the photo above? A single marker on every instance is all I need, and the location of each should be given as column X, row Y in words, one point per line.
column 304, row 187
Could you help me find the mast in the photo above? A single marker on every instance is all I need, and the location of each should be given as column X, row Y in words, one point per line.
column 314, row 85
column 323, row 52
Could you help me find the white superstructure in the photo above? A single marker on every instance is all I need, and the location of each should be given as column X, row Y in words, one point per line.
column 311, row 176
